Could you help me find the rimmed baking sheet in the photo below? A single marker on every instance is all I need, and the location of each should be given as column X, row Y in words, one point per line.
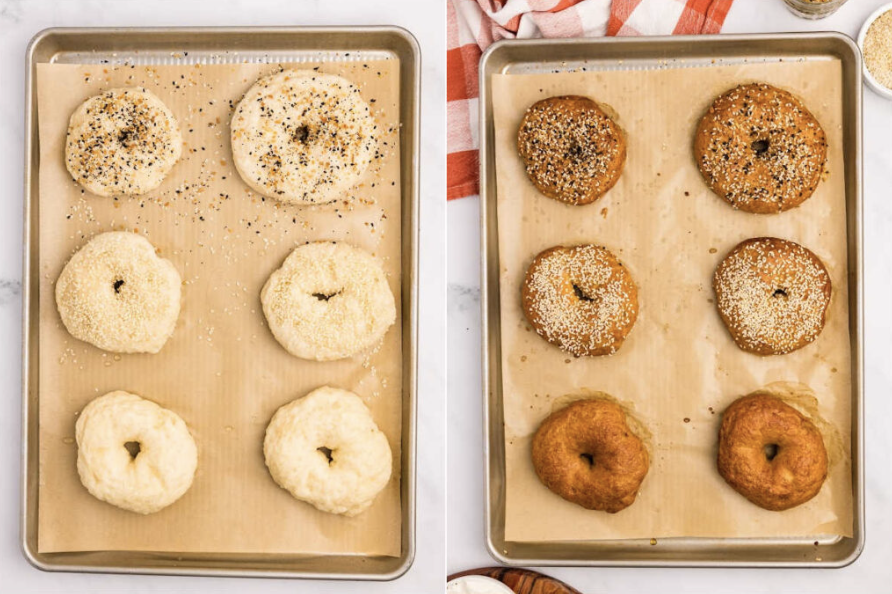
column 602, row 62
column 386, row 377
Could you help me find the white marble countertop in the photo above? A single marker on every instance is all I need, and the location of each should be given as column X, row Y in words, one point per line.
column 19, row 21
column 872, row 572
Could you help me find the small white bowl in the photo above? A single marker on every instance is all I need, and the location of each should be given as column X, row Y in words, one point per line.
column 873, row 83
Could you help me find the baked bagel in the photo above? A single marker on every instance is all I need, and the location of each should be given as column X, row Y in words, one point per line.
column 770, row 453
column 760, row 149
column 572, row 151
column 772, row 295
column 581, row 299
column 587, row 454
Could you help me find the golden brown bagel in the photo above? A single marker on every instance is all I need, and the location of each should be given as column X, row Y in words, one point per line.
column 587, row 454
column 770, row 453
column 571, row 149
column 760, row 149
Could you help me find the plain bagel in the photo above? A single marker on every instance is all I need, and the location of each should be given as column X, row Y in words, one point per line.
column 326, row 449
column 134, row 454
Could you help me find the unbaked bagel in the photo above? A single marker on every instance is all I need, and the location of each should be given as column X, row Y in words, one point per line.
column 581, row 299
column 328, row 301
column 303, row 137
column 587, row 454
column 134, row 454
column 122, row 142
column 760, row 149
column 118, row 295
column 325, row 449
column 772, row 295
column 770, row 453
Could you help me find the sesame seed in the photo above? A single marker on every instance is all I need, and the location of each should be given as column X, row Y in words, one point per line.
column 772, row 294
column 878, row 49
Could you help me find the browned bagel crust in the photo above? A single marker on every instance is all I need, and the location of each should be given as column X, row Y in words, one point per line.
column 793, row 475
column 760, row 149
column 772, row 295
column 572, row 150
column 595, row 428
column 581, row 299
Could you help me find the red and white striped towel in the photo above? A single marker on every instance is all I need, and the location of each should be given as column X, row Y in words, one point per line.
column 475, row 24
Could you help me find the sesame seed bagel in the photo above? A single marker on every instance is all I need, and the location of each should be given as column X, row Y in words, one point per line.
column 587, row 454
column 581, row 299
column 122, row 142
column 118, row 295
column 303, row 137
column 772, row 295
column 134, row 454
column 572, row 150
column 760, row 149
column 770, row 453
column 328, row 301
column 326, row 449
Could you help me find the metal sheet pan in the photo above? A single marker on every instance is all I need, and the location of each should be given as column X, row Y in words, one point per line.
column 540, row 56
column 219, row 45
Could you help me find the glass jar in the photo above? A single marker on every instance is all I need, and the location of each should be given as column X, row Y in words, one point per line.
column 814, row 9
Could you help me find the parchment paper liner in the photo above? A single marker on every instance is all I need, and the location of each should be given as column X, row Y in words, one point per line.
column 222, row 370
column 679, row 361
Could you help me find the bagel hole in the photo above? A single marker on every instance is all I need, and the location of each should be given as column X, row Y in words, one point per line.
column 760, row 147
column 302, row 134
column 133, row 448
column 580, row 294
column 325, row 297
column 326, row 451
column 125, row 136
column 117, row 285
column 575, row 151
column 770, row 450
column 779, row 294
column 588, row 458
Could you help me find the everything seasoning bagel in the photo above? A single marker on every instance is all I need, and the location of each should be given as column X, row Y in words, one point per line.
column 760, row 149
column 572, row 151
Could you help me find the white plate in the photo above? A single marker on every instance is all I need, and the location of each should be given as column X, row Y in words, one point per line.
column 477, row 584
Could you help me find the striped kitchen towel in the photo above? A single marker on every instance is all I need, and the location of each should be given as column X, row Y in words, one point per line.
column 475, row 24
